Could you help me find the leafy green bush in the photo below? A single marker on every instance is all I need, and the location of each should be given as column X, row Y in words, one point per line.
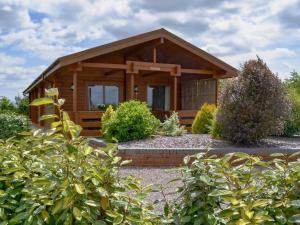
column 216, row 129
column 55, row 177
column 107, row 115
column 132, row 120
column 171, row 126
column 254, row 105
column 203, row 120
column 237, row 189
column 292, row 125
column 11, row 124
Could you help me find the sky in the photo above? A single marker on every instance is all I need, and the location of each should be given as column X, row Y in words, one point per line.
column 33, row 33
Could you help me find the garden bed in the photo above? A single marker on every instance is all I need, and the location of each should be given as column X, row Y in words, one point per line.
column 170, row 151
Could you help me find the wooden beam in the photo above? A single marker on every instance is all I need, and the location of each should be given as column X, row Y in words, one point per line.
column 175, row 93
column 105, row 65
column 75, row 86
column 112, row 72
column 197, row 71
column 150, row 74
column 154, row 54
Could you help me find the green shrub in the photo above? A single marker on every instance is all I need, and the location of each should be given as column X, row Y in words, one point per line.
column 254, row 105
column 237, row 189
column 11, row 124
column 171, row 126
column 292, row 125
column 107, row 115
column 216, row 129
column 55, row 177
column 132, row 120
column 203, row 120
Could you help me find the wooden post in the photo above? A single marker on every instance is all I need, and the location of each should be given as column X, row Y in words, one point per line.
column 175, row 93
column 217, row 92
column 131, row 86
column 39, row 107
column 75, row 96
column 154, row 55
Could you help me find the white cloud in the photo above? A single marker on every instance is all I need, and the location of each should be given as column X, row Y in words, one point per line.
column 234, row 30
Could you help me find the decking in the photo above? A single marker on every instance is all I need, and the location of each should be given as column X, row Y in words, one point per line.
column 90, row 121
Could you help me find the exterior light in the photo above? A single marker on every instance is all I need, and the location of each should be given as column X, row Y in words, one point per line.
column 136, row 89
column 72, row 87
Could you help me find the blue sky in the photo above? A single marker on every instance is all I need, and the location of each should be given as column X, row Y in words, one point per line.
column 33, row 32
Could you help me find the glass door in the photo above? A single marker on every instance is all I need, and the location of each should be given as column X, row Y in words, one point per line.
column 158, row 97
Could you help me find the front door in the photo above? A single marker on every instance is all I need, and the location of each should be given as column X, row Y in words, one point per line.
column 158, row 97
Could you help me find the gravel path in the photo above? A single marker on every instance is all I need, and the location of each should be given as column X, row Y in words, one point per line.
column 156, row 177
column 204, row 141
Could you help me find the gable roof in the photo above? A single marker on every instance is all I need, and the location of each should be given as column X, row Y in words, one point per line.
column 129, row 42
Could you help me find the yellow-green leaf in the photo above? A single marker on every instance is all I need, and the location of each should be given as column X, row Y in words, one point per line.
column 51, row 92
column 57, row 207
column 79, row 188
column 118, row 219
column 77, row 213
column 41, row 101
column 104, row 202
column 49, row 116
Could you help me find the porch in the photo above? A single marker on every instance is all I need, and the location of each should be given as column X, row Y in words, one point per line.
column 90, row 121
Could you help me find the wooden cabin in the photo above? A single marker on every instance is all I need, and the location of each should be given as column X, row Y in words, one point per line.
column 157, row 67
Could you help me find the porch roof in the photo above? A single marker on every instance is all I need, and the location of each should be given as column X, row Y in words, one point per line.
column 129, row 42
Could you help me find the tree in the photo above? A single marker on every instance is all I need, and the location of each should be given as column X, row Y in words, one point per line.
column 22, row 105
column 294, row 81
column 6, row 105
column 254, row 105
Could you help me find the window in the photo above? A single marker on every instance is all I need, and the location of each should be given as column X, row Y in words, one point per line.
column 194, row 93
column 102, row 95
column 158, row 97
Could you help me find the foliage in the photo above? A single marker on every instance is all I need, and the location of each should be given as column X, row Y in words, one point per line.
column 294, row 81
column 11, row 124
column 238, row 189
column 292, row 125
column 132, row 120
column 55, row 177
column 6, row 105
column 22, row 105
column 216, row 129
column 171, row 126
column 107, row 115
column 254, row 105
column 203, row 120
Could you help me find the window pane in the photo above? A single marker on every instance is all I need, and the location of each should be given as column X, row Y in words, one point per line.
column 96, row 97
column 111, row 95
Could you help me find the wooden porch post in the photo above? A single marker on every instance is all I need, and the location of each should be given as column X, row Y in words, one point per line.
column 175, row 93
column 131, row 86
column 75, row 96
column 217, row 92
column 154, row 55
column 39, row 108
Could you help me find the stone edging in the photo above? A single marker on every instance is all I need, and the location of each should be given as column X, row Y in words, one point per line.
column 189, row 151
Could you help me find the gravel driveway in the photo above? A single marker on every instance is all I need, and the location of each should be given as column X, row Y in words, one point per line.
column 156, row 177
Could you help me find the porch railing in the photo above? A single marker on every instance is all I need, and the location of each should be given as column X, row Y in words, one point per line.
column 90, row 121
